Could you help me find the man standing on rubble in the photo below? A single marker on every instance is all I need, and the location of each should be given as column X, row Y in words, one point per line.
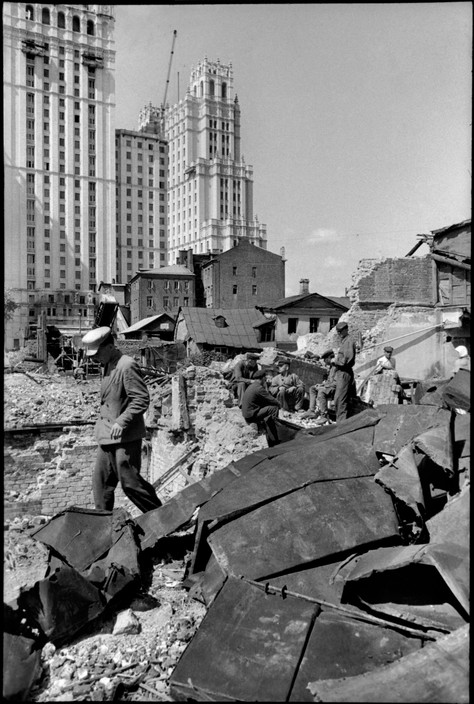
column 119, row 430
column 259, row 406
column 344, row 362
column 243, row 374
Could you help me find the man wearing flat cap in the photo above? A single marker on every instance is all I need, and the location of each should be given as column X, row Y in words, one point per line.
column 320, row 393
column 243, row 374
column 259, row 406
column 287, row 388
column 344, row 362
column 119, row 430
column 386, row 361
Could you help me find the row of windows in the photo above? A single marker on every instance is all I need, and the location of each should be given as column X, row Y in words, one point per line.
column 61, row 19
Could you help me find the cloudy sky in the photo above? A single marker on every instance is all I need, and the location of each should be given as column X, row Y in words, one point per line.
column 356, row 118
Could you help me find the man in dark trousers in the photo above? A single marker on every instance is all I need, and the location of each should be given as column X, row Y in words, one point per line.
column 344, row 362
column 243, row 375
column 259, row 406
column 119, row 430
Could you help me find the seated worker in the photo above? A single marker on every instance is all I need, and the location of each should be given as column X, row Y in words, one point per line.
column 287, row 388
column 243, row 374
column 386, row 361
column 259, row 406
column 463, row 361
column 320, row 393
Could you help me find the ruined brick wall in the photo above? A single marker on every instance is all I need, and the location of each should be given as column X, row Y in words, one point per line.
column 46, row 474
column 402, row 280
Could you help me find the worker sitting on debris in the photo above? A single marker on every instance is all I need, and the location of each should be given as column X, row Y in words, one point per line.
column 344, row 362
column 386, row 361
column 243, row 374
column 463, row 361
column 259, row 406
column 119, row 430
column 319, row 394
column 287, row 388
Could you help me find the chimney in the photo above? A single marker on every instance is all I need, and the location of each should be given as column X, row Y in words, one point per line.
column 304, row 286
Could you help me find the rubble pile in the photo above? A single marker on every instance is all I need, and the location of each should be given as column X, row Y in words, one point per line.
column 224, row 593
column 36, row 399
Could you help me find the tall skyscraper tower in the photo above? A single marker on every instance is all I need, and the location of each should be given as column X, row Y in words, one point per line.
column 59, row 156
column 210, row 188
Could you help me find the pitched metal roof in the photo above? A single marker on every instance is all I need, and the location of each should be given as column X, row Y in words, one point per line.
column 239, row 331
column 292, row 300
column 146, row 321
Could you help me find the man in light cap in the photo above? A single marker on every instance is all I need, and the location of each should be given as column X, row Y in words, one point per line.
column 119, row 430
column 463, row 361
column 344, row 362
column 243, row 375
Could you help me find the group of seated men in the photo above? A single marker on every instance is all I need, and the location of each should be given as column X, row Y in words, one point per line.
column 285, row 387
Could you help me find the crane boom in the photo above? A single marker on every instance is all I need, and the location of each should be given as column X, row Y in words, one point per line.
column 175, row 33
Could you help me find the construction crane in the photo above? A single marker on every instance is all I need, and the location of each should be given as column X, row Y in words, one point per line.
column 175, row 33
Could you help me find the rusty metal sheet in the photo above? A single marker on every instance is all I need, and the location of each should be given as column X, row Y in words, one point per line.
column 457, row 392
column 340, row 458
column 21, row 666
column 309, row 524
column 340, row 646
column 400, row 424
column 62, row 604
column 462, row 435
column 438, row 673
column 415, row 582
column 402, row 479
column 313, row 582
column 247, row 648
column 160, row 522
column 82, row 536
column 452, row 524
column 436, row 443
column 204, row 586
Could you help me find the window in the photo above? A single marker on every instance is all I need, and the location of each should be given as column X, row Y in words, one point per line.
column 254, row 290
column 292, row 325
column 90, row 27
column 149, row 301
column 176, row 302
column 313, row 324
column 333, row 322
column 166, row 302
column 234, row 271
column 76, row 24
column 45, row 16
column 61, row 20
column 234, row 289
column 254, row 272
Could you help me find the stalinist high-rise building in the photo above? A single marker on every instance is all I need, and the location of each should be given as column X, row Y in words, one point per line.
column 210, row 187
column 59, row 161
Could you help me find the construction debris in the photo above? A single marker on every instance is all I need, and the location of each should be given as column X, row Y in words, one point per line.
column 285, row 588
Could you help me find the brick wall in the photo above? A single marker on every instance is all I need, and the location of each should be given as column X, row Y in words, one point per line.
column 403, row 280
column 45, row 476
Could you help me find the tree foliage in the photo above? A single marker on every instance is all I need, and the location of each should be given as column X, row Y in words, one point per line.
column 10, row 305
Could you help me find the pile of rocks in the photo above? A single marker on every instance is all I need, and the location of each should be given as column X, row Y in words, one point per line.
column 42, row 399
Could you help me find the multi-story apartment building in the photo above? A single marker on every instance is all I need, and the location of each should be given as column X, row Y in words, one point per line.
column 210, row 188
column 165, row 289
column 243, row 277
column 141, row 172
column 59, row 166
